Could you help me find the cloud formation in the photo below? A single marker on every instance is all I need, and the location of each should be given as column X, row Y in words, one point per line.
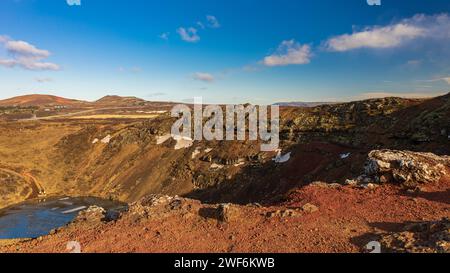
column 200, row 25
column 73, row 2
column 204, row 77
column 212, row 21
column 189, row 35
column 446, row 79
column 164, row 36
column 289, row 53
column 25, row 55
column 394, row 35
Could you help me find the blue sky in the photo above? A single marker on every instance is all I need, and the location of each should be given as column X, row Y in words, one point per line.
column 228, row 51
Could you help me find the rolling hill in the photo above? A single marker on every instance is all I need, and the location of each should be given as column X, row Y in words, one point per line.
column 40, row 100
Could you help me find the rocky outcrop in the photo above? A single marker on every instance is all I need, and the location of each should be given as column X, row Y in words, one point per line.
column 402, row 167
column 93, row 214
column 228, row 212
column 423, row 237
column 161, row 206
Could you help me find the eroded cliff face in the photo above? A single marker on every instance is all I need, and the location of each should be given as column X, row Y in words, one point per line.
column 123, row 160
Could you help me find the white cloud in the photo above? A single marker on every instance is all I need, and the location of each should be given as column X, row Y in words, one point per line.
column 201, row 25
column 384, row 37
column 164, row 36
column 4, row 39
column 288, row 53
column 446, row 79
column 189, row 35
column 25, row 49
column 204, row 77
column 73, row 2
column 8, row 63
column 25, row 55
column 212, row 21
column 394, row 35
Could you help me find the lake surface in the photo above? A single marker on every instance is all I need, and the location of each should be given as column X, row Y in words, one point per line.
column 32, row 219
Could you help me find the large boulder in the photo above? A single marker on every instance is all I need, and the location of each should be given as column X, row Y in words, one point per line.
column 404, row 167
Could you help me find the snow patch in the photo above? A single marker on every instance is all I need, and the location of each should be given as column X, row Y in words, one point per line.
column 95, row 141
column 107, row 139
column 183, row 142
column 282, row 158
column 344, row 156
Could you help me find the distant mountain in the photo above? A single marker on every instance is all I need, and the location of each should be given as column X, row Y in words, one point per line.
column 302, row 104
column 40, row 100
column 120, row 101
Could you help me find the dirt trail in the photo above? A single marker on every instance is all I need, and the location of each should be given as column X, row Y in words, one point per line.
column 36, row 187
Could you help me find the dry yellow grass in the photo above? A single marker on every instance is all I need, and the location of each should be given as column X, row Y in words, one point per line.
column 115, row 116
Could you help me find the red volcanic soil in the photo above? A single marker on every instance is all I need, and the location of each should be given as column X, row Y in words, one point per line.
column 39, row 100
column 346, row 220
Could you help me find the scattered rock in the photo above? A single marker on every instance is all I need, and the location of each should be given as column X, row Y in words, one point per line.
column 369, row 186
column 175, row 204
column 93, row 214
column 351, row 182
column 309, row 208
column 228, row 212
column 422, row 237
column 326, row 185
column 282, row 213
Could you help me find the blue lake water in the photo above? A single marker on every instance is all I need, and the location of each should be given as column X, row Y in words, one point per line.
column 32, row 219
